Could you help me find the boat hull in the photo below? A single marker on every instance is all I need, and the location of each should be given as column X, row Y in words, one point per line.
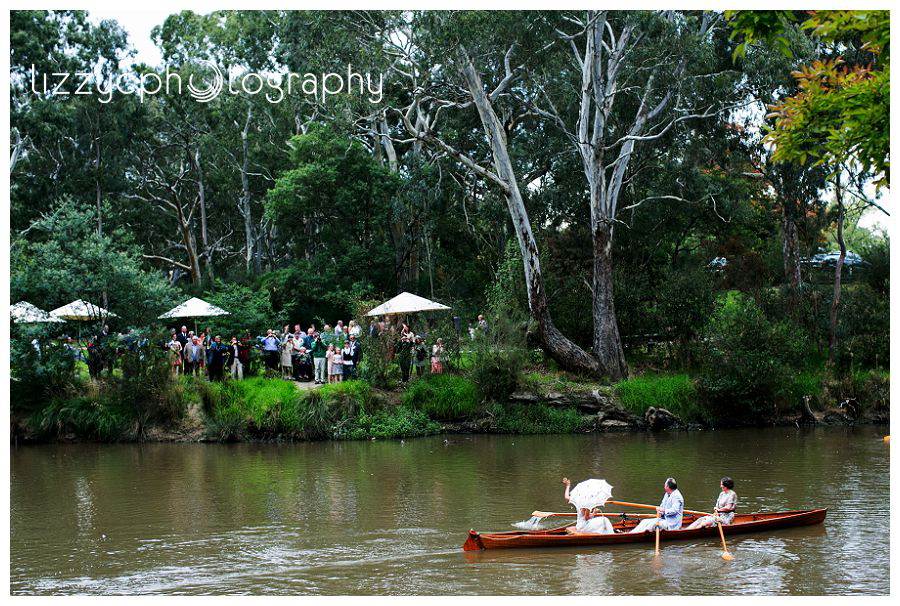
column 557, row 537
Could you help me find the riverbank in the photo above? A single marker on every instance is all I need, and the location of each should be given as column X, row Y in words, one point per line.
column 260, row 409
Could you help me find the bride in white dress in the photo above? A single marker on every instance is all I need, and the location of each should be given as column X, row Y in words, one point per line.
column 587, row 522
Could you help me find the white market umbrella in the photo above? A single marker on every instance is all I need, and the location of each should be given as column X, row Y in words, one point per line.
column 406, row 303
column 590, row 494
column 24, row 312
column 81, row 310
column 194, row 308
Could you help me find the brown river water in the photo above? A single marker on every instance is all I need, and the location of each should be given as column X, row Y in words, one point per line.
column 390, row 517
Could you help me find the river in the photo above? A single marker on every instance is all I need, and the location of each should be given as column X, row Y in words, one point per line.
column 390, row 517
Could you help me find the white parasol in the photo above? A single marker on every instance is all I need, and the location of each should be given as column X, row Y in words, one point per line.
column 81, row 310
column 24, row 312
column 406, row 303
column 194, row 308
column 590, row 493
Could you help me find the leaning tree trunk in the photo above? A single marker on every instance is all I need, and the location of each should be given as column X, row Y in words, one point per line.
column 566, row 353
column 607, row 341
column 836, row 297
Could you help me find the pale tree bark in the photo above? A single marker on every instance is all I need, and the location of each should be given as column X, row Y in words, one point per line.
column 605, row 162
column 250, row 238
column 204, row 232
column 565, row 352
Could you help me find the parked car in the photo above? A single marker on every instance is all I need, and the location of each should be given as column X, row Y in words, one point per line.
column 830, row 259
column 717, row 264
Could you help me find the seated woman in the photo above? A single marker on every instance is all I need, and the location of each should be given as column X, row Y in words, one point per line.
column 724, row 509
column 587, row 522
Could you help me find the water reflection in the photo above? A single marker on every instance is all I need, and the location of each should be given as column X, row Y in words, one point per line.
column 390, row 517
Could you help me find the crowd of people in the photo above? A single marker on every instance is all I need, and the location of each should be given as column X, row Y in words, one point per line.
column 331, row 355
column 308, row 356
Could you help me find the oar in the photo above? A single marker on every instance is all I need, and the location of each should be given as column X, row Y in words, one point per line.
column 551, row 514
column 625, row 504
column 725, row 554
column 657, row 534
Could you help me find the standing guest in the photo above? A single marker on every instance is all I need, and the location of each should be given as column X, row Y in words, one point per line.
column 437, row 357
column 482, row 325
column 285, row 332
column 354, row 329
column 304, row 366
column 287, row 348
column 174, row 346
column 216, row 356
column 183, row 338
column 319, row 361
column 724, row 509
column 295, row 354
column 337, row 364
column 234, row 359
column 329, row 357
column 420, row 355
column 193, row 353
column 74, row 350
column 347, row 359
column 670, row 510
column 270, row 351
column 355, row 354
column 404, row 356
column 339, row 328
column 244, row 353
column 374, row 331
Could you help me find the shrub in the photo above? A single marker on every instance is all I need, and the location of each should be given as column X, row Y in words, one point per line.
column 748, row 361
column 676, row 393
column 387, row 423
column 83, row 416
column 443, row 396
column 536, row 419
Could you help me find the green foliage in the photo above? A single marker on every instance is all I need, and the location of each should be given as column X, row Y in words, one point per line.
column 443, row 396
column 498, row 358
column 337, row 176
column 85, row 417
column 65, row 259
column 536, row 419
column 252, row 407
column 675, row 393
column 146, row 387
column 863, row 329
column 248, row 309
column 38, row 378
column 747, row 362
column 387, row 423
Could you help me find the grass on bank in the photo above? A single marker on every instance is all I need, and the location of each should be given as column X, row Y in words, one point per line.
column 675, row 393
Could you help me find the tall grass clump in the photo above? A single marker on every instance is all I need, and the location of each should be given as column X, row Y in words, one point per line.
column 85, row 417
column 445, row 397
column 536, row 419
column 675, row 393
column 252, row 407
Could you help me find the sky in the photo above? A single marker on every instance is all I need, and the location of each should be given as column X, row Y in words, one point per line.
column 138, row 24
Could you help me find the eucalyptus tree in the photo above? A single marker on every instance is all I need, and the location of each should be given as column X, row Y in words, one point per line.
column 65, row 143
column 610, row 82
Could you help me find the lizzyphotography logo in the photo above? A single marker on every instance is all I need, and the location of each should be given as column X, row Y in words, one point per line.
column 205, row 81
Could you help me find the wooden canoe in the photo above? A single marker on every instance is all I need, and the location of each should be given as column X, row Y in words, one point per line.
column 557, row 537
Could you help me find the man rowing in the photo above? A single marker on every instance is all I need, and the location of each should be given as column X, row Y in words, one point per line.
column 669, row 512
